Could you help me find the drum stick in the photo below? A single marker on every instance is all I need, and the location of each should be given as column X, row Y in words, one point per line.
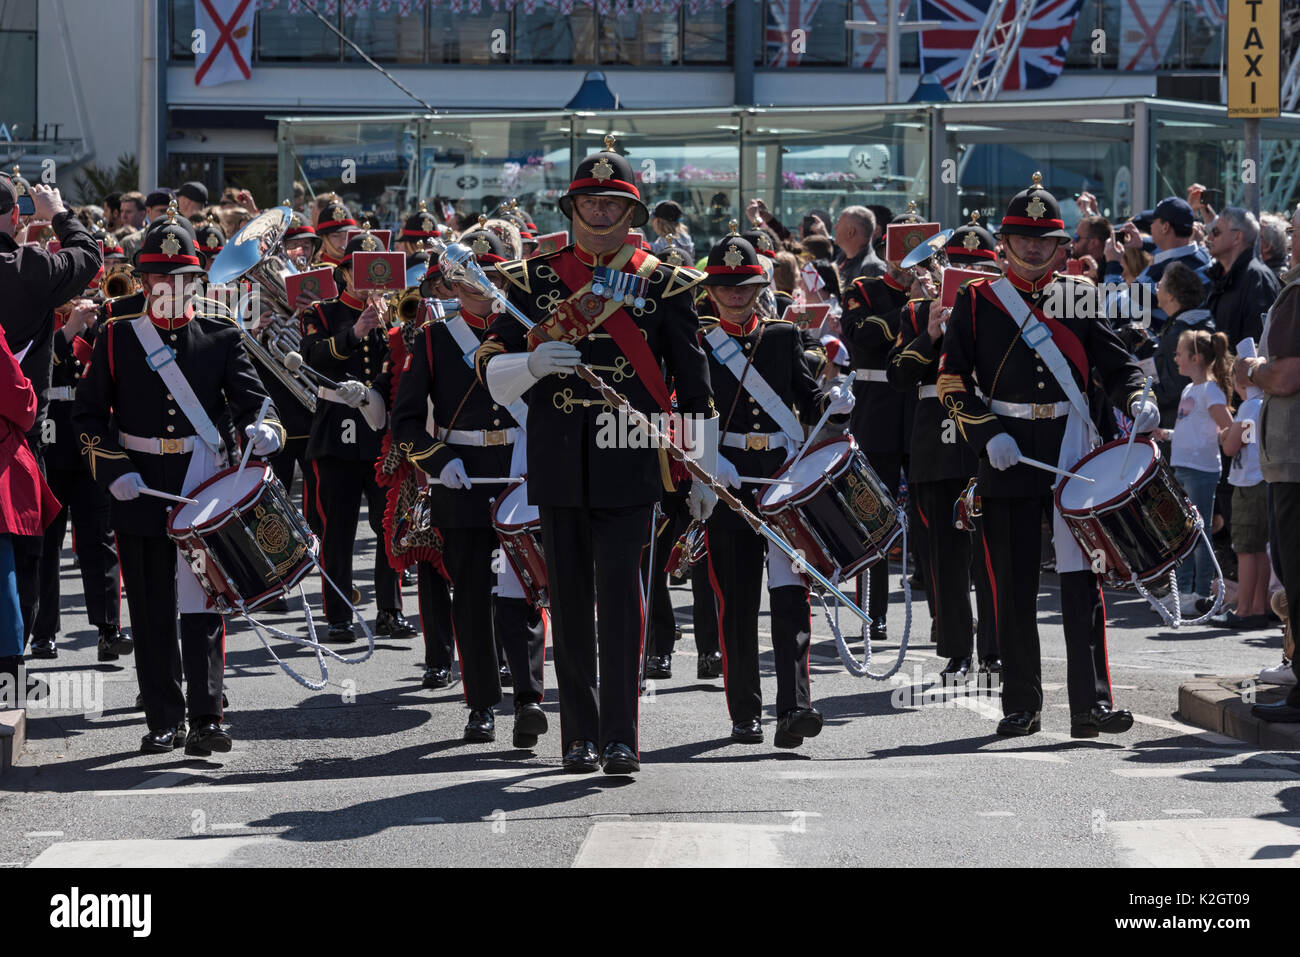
column 1132, row 433
column 248, row 449
column 1025, row 460
column 480, row 480
column 171, row 498
column 755, row 480
column 807, row 444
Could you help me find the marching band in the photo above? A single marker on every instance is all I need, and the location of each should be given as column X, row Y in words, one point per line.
column 548, row 436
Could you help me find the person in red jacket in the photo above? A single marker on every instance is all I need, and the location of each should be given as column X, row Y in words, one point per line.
column 26, row 506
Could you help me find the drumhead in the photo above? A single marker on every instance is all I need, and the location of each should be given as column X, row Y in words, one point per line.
column 218, row 495
column 1104, row 467
column 513, row 510
column 806, row 472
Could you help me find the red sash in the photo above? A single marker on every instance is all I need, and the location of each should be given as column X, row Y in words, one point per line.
column 622, row 329
column 1062, row 335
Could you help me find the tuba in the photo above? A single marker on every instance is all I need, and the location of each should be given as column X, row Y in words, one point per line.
column 256, row 252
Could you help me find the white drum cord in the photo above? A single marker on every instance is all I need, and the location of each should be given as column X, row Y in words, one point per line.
column 1175, row 620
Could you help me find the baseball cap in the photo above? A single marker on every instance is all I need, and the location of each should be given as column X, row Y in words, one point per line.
column 8, row 195
column 1174, row 211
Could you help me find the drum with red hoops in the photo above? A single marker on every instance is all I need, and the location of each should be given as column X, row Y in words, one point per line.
column 243, row 539
column 1135, row 523
column 834, row 509
column 519, row 527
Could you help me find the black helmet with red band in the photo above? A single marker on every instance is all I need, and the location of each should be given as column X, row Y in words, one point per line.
column 168, row 248
column 606, row 173
column 733, row 261
column 487, row 246
column 420, row 225
column 972, row 244
column 1034, row 212
column 334, row 218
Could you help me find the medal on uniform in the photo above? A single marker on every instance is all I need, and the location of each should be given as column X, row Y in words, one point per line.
column 625, row 287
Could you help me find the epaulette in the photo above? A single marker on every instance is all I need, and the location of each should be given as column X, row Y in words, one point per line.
column 516, row 271
column 680, row 279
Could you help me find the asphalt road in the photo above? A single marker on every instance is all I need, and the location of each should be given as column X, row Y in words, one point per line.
column 373, row 769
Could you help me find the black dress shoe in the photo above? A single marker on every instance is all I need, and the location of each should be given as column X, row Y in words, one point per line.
column 709, row 665
column 747, row 732
column 482, row 726
column 393, row 624
column 619, row 759
column 436, row 678
column 119, row 642
column 659, row 666
column 1277, row 711
column 879, row 632
column 1020, row 723
column 339, row 634
column 44, row 648
column 104, row 651
column 207, row 736
column 991, row 666
column 1102, row 718
column 1230, row 619
column 409, row 576
column 956, row 668
column 580, row 757
column 163, row 740
column 530, row 723
column 795, row 725
column 507, row 679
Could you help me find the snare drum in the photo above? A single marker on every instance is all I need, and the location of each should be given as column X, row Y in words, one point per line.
column 519, row 527
column 1141, row 522
column 833, row 508
column 244, row 540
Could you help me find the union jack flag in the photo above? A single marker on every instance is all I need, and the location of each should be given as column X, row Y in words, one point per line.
column 869, row 48
column 1039, row 59
column 783, row 18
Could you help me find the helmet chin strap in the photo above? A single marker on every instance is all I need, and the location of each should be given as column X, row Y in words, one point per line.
column 743, row 311
column 1041, row 269
column 619, row 223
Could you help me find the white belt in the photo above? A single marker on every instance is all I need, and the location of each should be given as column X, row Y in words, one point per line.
column 478, row 436
column 871, row 375
column 156, row 446
column 1031, row 410
column 61, row 393
column 755, row 441
column 927, row 391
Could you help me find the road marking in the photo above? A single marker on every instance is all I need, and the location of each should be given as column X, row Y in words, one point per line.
column 668, row 844
column 1221, row 772
column 228, row 827
column 43, row 834
column 1207, row 842
column 1195, row 732
column 183, row 789
column 189, row 852
column 1182, row 810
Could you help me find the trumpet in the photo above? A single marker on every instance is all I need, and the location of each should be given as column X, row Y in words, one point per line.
column 119, row 280
column 406, row 304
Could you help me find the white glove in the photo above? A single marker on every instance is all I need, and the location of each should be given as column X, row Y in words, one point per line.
column 352, row 393
column 701, row 499
column 726, row 473
column 1145, row 415
column 841, row 400
column 264, row 438
column 453, row 475
column 1002, row 451
column 374, row 411
column 127, row 487
column 552, row 357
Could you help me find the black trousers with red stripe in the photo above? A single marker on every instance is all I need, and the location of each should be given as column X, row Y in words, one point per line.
column 96, row 553
column 521, row 637
column 949, row 571
column 340, row 486
column 736, row 571
column 467, row 553
column 704, row 609
column 1012, row 530
column 435, row 617
column 593, row 558
column 148, row 565
column 282, row 463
